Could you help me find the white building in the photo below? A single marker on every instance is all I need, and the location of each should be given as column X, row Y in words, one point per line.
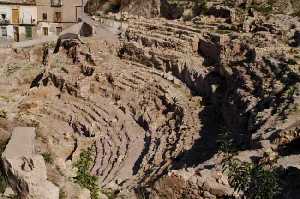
column 54, row 16
column 18, row 19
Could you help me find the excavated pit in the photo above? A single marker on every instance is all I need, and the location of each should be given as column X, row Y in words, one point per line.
column 138, row 120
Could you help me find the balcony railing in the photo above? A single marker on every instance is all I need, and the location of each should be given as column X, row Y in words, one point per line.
column 56, row 3
column 23, row 20
column 4, row 21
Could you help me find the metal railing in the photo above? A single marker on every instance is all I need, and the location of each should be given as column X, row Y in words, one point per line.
column 4, row 21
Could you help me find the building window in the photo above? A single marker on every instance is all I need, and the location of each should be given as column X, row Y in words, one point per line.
column 58, row 30
column 45, row 31
column 45, row 17
column 3, row 19
column 28, row 31
column 56, row 3
column 3, row 31
column 57, row 17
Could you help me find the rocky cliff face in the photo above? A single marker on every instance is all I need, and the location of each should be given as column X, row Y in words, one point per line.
column 187, row 9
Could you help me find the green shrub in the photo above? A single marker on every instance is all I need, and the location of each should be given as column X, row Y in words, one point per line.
column 48, row 157
column 83, row 177
column 290, row 91
column 265, row 8
column 226, row 142
column 109, row 194
column 253, row 180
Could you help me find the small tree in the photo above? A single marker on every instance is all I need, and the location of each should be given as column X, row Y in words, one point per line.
column 83, row 177
column 253, row 180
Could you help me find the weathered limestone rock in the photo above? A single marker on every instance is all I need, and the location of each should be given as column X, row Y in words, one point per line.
column 289, row 161
column 74, row 191
column 145, row 8
column 210, row 47
column 208, row 184
column 9, row 193
column 225, row 51
column 26, row 170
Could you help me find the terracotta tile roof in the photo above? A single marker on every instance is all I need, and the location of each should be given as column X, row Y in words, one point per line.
column 19, row 2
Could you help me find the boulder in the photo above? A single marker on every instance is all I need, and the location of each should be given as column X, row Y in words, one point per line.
column 24, row 169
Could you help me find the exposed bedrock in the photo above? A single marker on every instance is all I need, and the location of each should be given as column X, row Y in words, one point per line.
column 248, row 86
column 25, row 170
column 238, row 81
column 138, row 118
column 136, row 138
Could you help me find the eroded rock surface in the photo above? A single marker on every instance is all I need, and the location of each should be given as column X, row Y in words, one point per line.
column 24, row 169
